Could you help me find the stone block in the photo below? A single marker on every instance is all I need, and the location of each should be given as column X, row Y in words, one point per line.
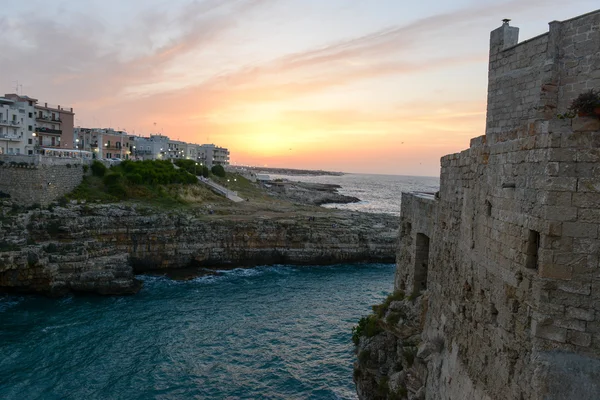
column 589, row 185
column 575, row 287
column 580, row 313
column 579, row 338
column 571, row 324
column 586, row 124
column 586, row 200
column 555, row 271
column 552, row 168
column 549, row 332
column 580, row 229
column 562, row 155
column 558, row 213
column 589, row 215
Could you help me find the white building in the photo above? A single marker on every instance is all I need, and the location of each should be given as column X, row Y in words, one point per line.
column 211, row 155
column 154, row 147
column 103, row 143
column 17, row 126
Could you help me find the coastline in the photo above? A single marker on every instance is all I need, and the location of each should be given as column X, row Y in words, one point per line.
column 100, row 248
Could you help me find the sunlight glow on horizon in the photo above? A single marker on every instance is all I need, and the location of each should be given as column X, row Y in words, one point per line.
column 380, row 86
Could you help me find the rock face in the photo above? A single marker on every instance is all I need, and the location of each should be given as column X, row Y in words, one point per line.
column 100, row 248
column 310, row 193
column 505, row 258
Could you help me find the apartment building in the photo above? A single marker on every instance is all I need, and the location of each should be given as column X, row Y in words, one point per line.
column 211, row 155
column 17, row 125
column 154, row 147
column 104, row 143
column 26, row 126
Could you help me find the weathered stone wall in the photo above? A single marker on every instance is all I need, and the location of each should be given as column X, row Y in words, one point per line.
column 41, row 184
column 501, row 313
column 513, row 276
column 539, row 78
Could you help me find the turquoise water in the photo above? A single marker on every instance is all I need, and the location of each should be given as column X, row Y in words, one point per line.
column 266, row 333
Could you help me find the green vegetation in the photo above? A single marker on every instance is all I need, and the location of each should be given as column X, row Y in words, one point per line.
column 409, row 354
column 193, row 167
column 244, row 188
column 393, row 318
column 382, row 308
column 383, row 387
column 586, row 103
column 364, row 356
column 156, row 181
column 98, row 169
column 402, row 393
column 218, row 170
column 367, row 326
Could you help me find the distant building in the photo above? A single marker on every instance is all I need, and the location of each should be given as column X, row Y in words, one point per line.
column 211, row 155
column 25, row 126
column 103, row 143
column 154, row 147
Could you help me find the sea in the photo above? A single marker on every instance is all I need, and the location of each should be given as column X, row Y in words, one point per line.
column 378, row 193
column 270, row 332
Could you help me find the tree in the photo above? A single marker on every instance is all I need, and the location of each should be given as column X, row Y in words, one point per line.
column 218, row 170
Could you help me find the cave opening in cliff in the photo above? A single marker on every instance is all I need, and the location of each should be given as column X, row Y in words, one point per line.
column 533, row 244
column 421, row 262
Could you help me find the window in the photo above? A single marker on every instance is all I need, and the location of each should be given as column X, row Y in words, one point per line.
column 30, row 115
column 30, row 152
column 533, row 244
column 421, row 263
column 30, row 128
column 30, row 141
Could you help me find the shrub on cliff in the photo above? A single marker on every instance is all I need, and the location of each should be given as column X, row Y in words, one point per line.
column 381, row 309
column 98, row 169
column 367, row 326
column 218, row 170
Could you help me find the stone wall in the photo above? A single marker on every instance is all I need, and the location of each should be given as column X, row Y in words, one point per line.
column 41, row 184
column 513, row 272
column 538, row 78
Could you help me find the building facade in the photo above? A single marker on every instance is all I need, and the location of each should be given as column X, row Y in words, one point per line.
column 26, row 126
column 211, row 155
column 104, row 143
column 17, row 125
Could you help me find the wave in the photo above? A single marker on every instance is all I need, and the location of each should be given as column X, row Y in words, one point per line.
column 8, row 302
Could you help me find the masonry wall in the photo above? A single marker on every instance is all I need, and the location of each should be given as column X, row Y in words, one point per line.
column 510, row 327
column 538, row 79
column 514, row 263
column 40, row 184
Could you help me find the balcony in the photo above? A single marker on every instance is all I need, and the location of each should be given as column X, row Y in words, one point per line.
column 48, row 131
column 9, row 123
column 11, row 138
column 47, row 118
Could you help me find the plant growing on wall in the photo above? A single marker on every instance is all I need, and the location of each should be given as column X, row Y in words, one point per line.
column 587, row 103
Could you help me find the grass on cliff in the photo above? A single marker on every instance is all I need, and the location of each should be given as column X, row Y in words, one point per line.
column 244, row 188
column 154, row 182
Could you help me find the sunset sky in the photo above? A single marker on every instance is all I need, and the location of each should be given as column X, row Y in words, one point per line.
column 373, row 86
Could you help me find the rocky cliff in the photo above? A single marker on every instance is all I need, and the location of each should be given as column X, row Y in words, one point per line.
column 100, row 248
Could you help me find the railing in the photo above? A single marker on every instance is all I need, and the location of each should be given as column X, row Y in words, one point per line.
column 9, row 123
column 5, row 136
column 48, row 118
column 41, row 129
